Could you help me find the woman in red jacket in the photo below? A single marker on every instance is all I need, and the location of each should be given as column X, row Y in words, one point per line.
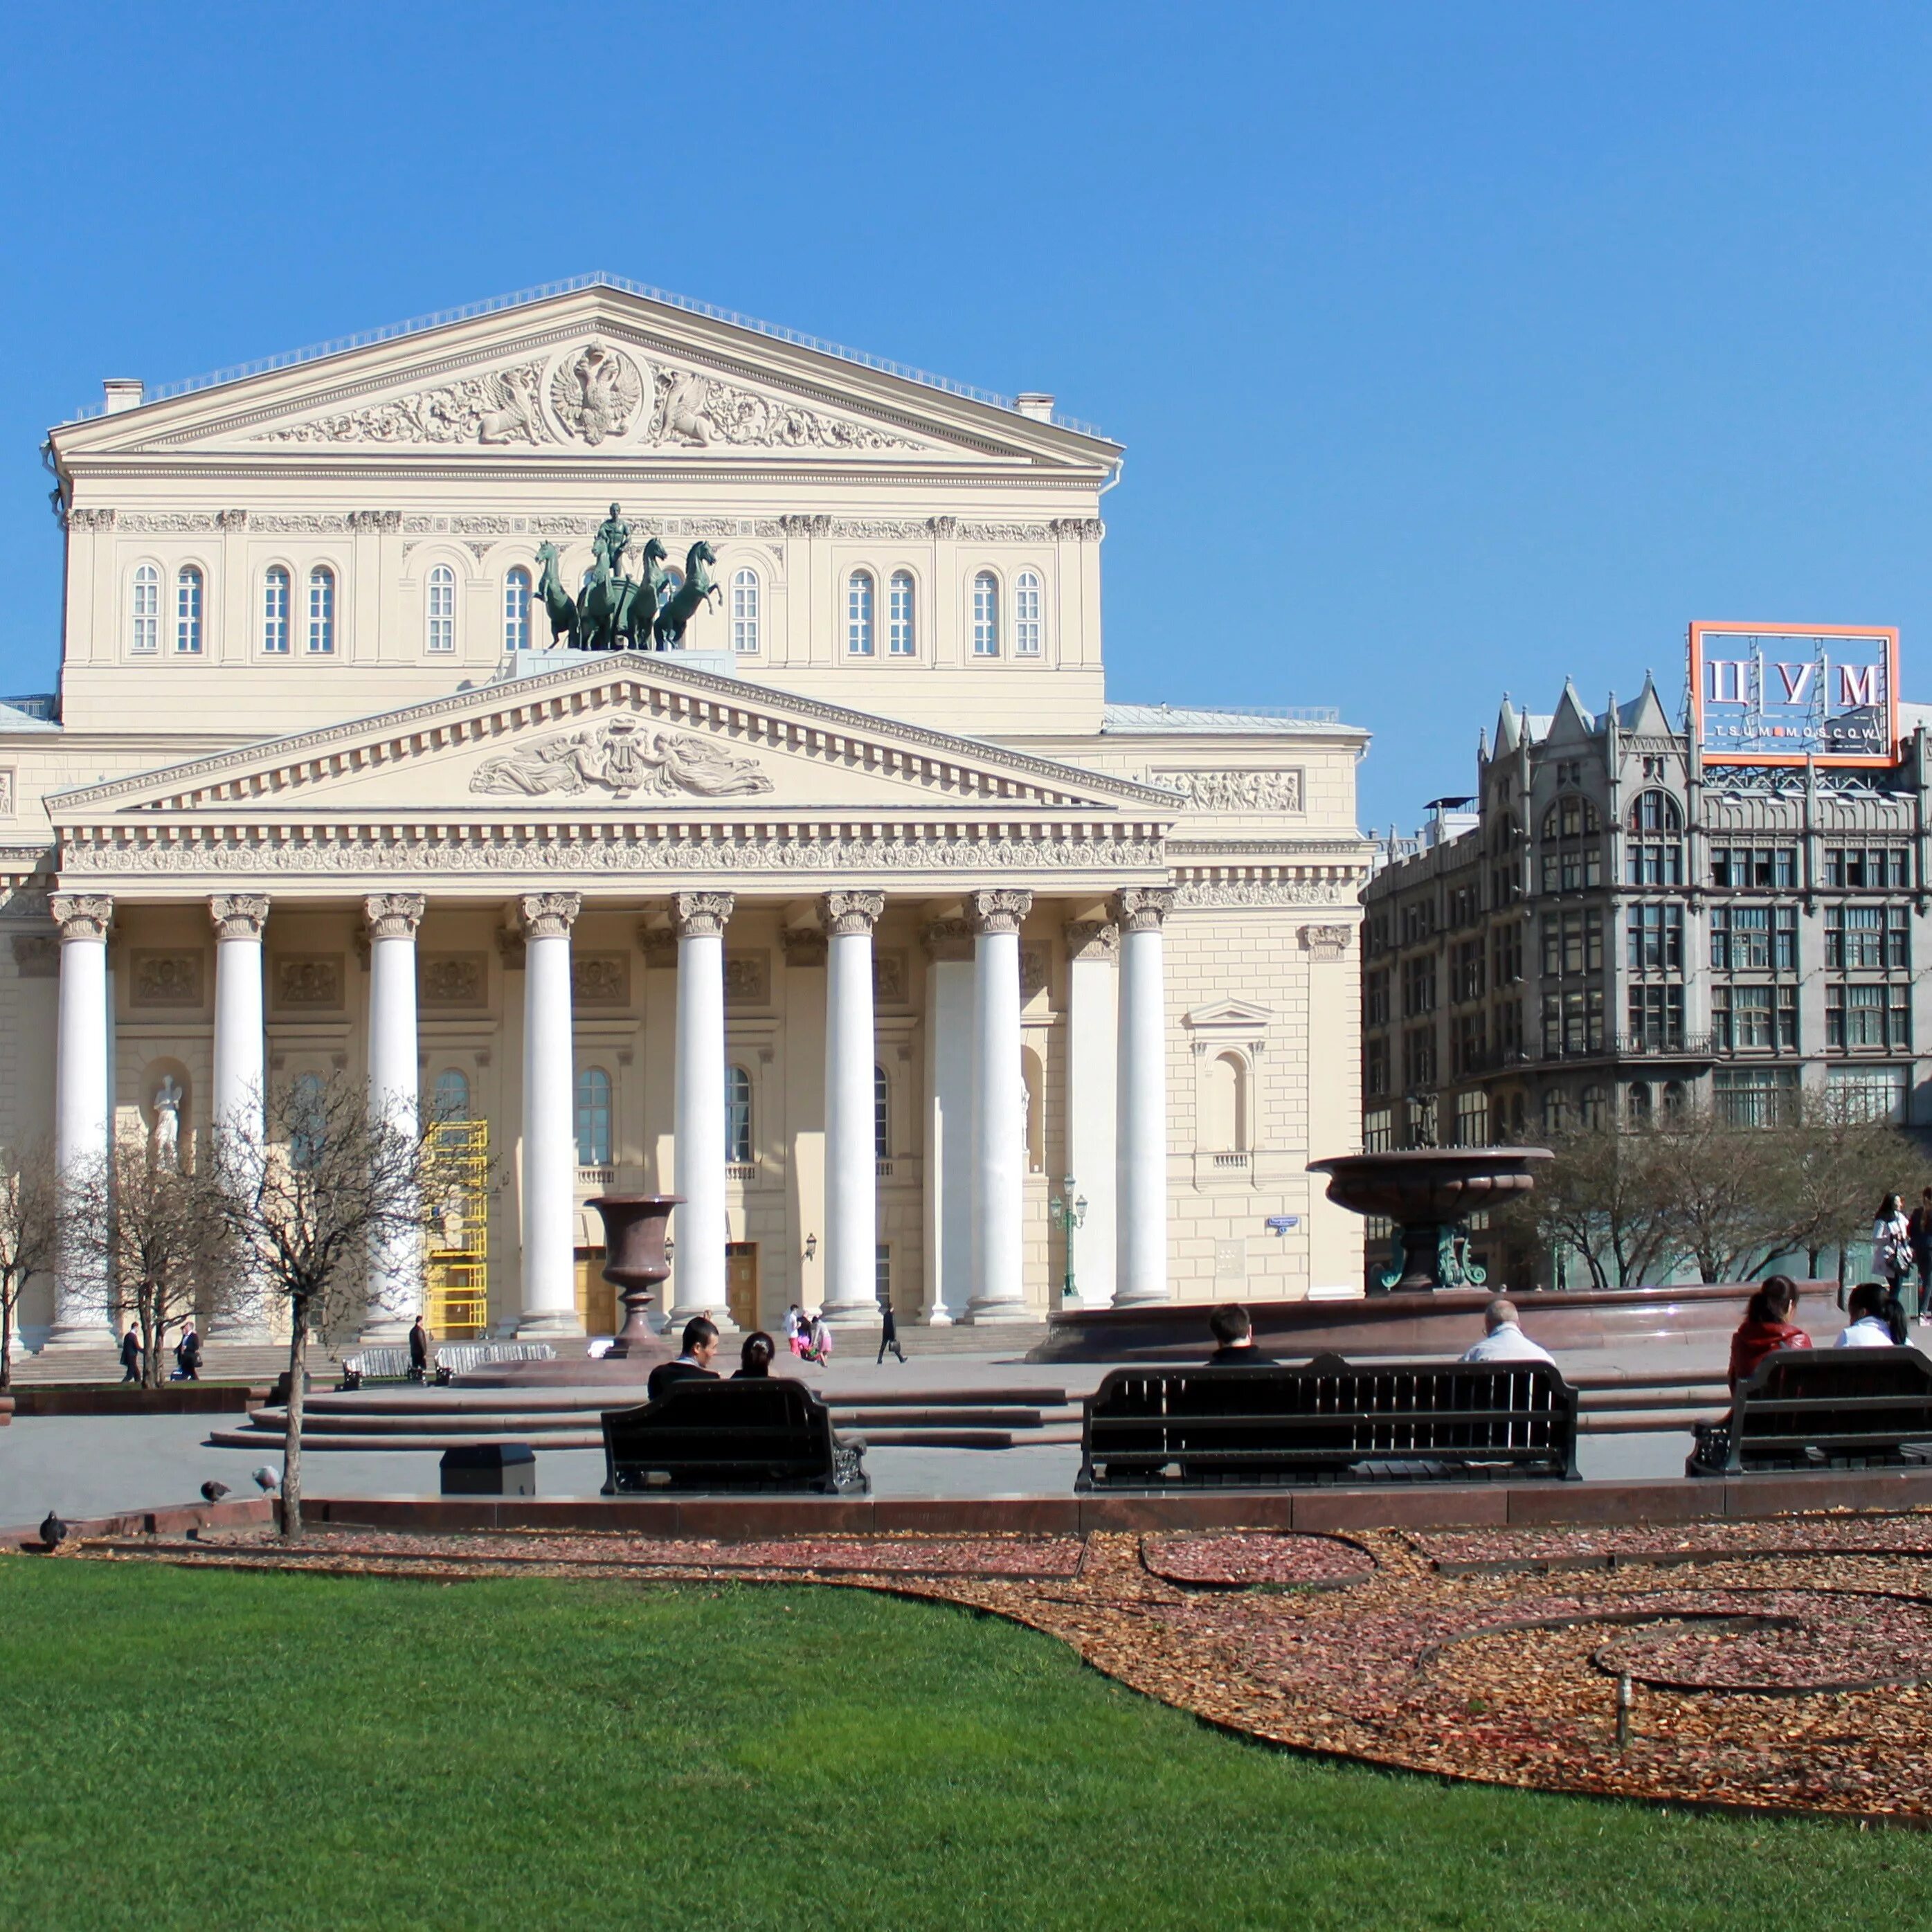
column 1767, row 1327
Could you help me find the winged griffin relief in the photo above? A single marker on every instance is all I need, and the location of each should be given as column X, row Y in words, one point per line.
column 624, row 758
column 593, row 394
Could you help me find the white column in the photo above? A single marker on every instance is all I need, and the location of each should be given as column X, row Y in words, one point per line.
column 851, row 1152
column 1141, row 1168
column 396, row 1287
column 81, row 1112
column 999, row 1122
column 550, row 1134
column 1093, row 1057
column 240, row 1093
column 949, row 1120
column 698, row 1227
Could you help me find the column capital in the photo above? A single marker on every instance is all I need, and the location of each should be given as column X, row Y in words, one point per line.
column 81, row 915
column 394, row 915
column 550, row 915
column 1093, row 939
column 239, row 915
column 702, row 915
column 1141, row 908
column 848, row 912
column 998, row 911
column 947, row 940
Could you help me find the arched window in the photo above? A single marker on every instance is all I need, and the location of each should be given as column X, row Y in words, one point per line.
column 451, row 1100
column 1594, row 1108
column 737, row 1115
column 1654, row 855
column 275, row 612
column 882, row 1121
column 593, row 1117
column 859, row 614
column 442, row 609
column 306, row 1115
column 321, row 612
column 744, row 611
column 1640, row 1103
column 144, row 638
column 1224, row 1123
column 187, row 611
column 1673, row 1099
column 985, row 615
column 1655, row 811
column 517, row 610
column 1572, row 816
column 901, row 639
column 1028, row 629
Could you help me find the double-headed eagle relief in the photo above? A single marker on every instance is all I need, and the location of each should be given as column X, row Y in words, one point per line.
column 615, row 611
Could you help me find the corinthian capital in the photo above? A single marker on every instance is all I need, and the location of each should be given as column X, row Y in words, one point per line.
column 394, row 915
column 1141, row 908
column 998, row 911
column 846, row 913
column 701, row 915
column 81, row 915
column 239, row 915
column 550, row 915
column 1093, row 939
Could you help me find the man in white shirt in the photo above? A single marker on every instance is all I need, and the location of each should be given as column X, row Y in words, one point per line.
column 1868, row 1328
column 1505, row 1340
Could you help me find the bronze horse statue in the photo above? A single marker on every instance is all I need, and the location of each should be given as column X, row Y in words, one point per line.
column 638, row 603
column 667, row 633
column 558, row 605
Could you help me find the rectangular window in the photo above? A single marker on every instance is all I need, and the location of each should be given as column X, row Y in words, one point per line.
column 1418, row 1057
column 1573, row 871
column 1507, row 945
column 1468, row 1044
column 1653, row 938
column 1472, row 1119
column 1865, row 867
column 1866, row 938
column 1376, row 1066
column 1754, row 1096
column 1572, row 1023
column 1870, row 1093
column 1573, row 943
column 1653, row 865
column 1757, row 868
column 1375, row 998
column 1753, row 939
column 1754, row 1019
column 1418, row 921
column 1378, row 1130
column 1656, row 1019
column 1466, row 974
column 1509, row 1030
column 1418, row 986
column 1863, row 1017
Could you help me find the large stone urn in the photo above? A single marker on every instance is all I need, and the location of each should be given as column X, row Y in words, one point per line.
column 1430, row 1193
column 634, row 1226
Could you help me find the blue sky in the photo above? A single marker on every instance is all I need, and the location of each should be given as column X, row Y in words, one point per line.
column 1454, row 349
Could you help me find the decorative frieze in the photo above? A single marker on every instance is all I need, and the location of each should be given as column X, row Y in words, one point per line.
column 888, row 978
column 748, row 979
column 81, row 915
column 659, row 945
column 308, row 983
column 381, row 522
column 1079, row 529
column 1248, row 790
column 90, row 520
column 550, row 915
column 452, row 980
column 172, row 980
column 36, row 956
column 999, row 911
column 701, row 915
column 1035, row 965
column 394, row 915
column 1204, row 895
column 601, row 979
column 624, row 757
column 499, row 406
column 695, row 410
column 8, row 791
column 239, row 915
column 804, row 946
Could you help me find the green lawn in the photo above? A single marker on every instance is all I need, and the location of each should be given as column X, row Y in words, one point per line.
column 217, row 1751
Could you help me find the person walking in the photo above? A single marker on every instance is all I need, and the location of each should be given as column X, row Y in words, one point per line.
column 419, row 1351
column 131, row 1355
column 187, row 1355
column 1920, row 1230
column 1892, row 1245
column 888, row 1335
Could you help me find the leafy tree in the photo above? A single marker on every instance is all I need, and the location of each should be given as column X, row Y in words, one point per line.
column 332, row 1185
column 30, row 1222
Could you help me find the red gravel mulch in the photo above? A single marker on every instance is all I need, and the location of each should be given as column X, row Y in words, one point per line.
column 1790, row 1670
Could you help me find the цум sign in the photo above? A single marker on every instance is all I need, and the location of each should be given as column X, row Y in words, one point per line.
column 1779, row 694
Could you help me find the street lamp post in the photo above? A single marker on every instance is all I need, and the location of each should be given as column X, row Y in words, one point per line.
column 1068, row 1210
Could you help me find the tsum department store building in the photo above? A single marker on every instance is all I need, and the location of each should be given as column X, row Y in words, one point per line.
column 862, row 921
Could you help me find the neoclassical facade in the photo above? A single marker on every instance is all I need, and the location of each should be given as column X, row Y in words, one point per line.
column 862, row 921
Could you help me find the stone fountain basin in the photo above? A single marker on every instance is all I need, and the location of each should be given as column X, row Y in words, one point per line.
column 1431, row 1183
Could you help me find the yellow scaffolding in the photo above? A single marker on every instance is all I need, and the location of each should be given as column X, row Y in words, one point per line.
column 459, row 1245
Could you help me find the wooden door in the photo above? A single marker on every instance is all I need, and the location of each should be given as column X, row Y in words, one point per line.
column 741, row 1282
column 596, row 1299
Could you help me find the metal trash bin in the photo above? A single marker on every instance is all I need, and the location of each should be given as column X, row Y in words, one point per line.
column 490, row 1469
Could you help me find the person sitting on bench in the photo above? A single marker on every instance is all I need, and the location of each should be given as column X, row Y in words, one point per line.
column 700, row 1344
column 754, row 1359
column 1869, row 1307
column 1233, row 1334
column 1767, row 1327
column 1503, row 1339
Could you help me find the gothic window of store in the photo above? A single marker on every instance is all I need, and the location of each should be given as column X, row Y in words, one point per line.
column 1653, row 938
column 1861, row 1017
column 1867, row 938
column 1418, row 985
column 1866, row 868
column 1755, row 867
column 1754, row 1019
column 1753, row 939
column 1573, row 943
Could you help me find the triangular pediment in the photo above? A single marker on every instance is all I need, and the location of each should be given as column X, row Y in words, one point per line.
column 1229, row 1013
column 593, row 373
column 628, row 734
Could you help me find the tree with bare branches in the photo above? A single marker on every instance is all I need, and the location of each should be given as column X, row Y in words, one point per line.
column 170, row 1254
column 1599, row 1196
column 332, row 1185
column 30, row 1222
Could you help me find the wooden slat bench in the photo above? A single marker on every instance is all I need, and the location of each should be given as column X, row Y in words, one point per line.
column 1327, row 1421
column 769, row 1435
column 1822, row 1409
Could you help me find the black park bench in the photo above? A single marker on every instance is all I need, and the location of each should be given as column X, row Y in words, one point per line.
column 1822, row 1409
column 771, row 1434
column 1327, row 1421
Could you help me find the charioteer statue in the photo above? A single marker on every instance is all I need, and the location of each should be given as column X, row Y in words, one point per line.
column 616, row 611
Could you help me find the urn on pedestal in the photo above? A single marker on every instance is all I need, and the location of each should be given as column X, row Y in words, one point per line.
column 634, row 1226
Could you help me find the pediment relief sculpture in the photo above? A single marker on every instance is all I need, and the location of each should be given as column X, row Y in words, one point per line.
column 592, row 393
column 625, row 758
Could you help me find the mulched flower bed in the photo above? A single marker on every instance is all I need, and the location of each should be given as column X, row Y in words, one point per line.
column 1324, row 1562
column 1790, row 1670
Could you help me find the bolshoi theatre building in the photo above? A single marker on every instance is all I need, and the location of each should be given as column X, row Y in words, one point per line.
column 677, row 753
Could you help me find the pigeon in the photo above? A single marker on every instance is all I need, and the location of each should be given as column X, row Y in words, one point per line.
column 267, row 1480
column 53, row 1531
column 213, row 1492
